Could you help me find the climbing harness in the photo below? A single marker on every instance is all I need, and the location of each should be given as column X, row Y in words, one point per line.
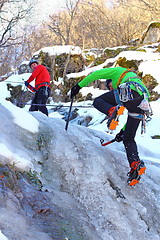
column 124, row 94
column 44, row 84
column 141, row 117
column 45, row 90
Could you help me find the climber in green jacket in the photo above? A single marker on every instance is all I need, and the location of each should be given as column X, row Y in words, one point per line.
column 127, row 89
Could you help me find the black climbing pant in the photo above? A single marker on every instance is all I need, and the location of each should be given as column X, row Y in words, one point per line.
column 104, row 102
column 40, row 99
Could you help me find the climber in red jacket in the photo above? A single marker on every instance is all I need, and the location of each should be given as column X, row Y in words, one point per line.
column 42, row 86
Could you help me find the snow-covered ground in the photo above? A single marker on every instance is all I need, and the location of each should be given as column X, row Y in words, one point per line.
column 75, row 168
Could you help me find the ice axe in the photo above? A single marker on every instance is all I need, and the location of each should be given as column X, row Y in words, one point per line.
column 106, row 143
column 69, row 113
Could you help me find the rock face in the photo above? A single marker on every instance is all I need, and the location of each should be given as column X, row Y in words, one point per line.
column 152, row 33
column 61, row 60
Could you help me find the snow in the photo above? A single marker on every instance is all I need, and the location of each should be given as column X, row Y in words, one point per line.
column 146, row 68
column 57, row 50
column 12, row 158
column 84, row 91
column 2, row 236
column 137, row 55
column 22, row 118
column 75, row 163
column 150, row 65
column 4, row 93
column 16, row 79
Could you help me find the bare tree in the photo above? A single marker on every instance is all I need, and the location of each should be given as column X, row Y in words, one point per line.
column 93, row 23
column 152, row 6
column 116, row 24
column 13, row 14
column 85, row 23
column 61, row 24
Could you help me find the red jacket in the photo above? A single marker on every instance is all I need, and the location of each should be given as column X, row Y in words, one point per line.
column 41, row 76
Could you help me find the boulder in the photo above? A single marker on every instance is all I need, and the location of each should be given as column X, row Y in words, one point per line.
column 61, row 60
column 151, row 34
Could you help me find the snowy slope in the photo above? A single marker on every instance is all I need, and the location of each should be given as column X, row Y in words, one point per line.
column 78, row 174
column 75, row 164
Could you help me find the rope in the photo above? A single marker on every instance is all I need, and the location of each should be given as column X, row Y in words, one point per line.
column 11, row 82
column 52, row 105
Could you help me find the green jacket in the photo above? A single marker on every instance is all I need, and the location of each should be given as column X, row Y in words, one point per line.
column 114, row 74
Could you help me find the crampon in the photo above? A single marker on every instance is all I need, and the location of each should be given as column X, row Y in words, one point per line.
column 114, row 118
column 137, row 170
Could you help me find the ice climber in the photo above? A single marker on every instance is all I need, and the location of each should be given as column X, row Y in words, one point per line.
column 126, row 89
column 42, row 86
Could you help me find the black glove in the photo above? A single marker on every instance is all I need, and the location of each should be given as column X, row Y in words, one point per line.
column 119, row 136
column 26, row 83
column 75, row 90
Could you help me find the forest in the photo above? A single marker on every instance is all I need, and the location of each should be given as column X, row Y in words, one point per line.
column 84, row 23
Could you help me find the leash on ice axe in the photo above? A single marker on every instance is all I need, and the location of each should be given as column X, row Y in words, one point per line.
column 69, row 113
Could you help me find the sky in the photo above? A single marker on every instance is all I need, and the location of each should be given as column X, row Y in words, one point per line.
column 48, row 7
column 74, row 163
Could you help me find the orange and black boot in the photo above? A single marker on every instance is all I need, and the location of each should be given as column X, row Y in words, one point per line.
column 137, row 169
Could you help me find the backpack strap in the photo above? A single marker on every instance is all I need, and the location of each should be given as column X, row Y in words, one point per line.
column 116, row 95
column 122, row 75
